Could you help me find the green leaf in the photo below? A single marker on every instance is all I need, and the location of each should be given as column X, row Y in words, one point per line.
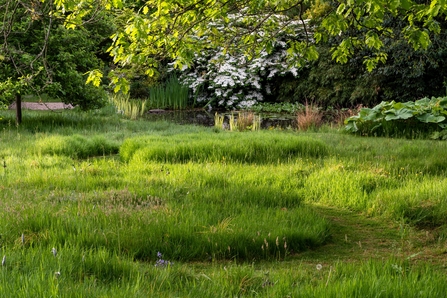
column 318, row 37
column 312, row 53
column 351, row 127
column 398, row 114
column 367, row 114
column 341, row 8
column 373, row 41
column 94, row 77
column 406, row 4
column 430, row 118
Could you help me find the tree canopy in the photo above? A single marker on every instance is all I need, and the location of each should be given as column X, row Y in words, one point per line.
column 38, row 54
column 148, row 34
column 177, row 29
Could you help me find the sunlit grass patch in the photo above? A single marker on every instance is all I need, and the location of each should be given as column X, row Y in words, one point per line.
column 189, row 211
column 340, row 184
column 419, row 200
column 261, row 147
column 231, row 213
column 141, row 228
column 97, row 272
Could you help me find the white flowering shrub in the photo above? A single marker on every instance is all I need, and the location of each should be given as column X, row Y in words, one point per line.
column 221, row 79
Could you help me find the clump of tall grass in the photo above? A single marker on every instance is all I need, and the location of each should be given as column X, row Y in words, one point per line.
column 338, row 185
column 170, row 95
column 209, row 221
column 241, row 122
column 308, row 118
column 130, row 108
column 76, row 146
column 262, row 147
column 219, row 121
column 248, row 120
column 391, row 278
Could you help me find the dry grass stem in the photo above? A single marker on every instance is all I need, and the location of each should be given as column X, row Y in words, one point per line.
column 310, row 117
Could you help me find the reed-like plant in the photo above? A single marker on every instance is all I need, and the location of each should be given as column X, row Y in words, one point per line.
column 170, row 95
column 243, row 121
column 131, row 109
column 232, row 122
column 219, row 121
column 310, row 117
column 256, row 123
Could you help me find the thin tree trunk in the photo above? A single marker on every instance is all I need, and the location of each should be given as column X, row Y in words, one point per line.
column 18, row 109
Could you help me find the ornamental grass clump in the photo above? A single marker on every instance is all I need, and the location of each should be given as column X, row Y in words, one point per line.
column 170, row 95
column 310, row 117
column 244, row 121
column 131, row 109
column 219, row 121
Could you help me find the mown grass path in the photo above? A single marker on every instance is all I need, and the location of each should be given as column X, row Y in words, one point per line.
column 356, row 238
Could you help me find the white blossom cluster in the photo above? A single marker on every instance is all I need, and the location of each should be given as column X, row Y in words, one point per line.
column 232, row 80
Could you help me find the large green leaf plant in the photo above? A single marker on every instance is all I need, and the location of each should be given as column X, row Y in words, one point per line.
column 424, row 115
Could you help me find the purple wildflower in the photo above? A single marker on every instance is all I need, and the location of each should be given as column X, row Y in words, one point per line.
column 162, row 263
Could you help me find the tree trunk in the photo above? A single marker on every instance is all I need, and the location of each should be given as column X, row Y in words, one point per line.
column 18, row 109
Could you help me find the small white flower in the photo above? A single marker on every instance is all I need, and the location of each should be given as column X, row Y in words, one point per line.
column 54, row 251
column 57, row 274
column 319, row 266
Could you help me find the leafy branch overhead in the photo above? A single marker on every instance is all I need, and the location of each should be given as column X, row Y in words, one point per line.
column 154, row 30
column 151, row 33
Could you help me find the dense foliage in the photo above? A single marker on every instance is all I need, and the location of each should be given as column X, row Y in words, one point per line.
column 72, row 53
column 402, row 119
column 39, row 55
column 236, row 52
column 406, row 75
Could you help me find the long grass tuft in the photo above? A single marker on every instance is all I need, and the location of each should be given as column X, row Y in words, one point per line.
column 131, row 109
column 219, row 121
column 170, row 95
column 310, row 117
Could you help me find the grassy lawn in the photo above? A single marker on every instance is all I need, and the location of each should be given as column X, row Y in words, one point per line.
column 93, row 205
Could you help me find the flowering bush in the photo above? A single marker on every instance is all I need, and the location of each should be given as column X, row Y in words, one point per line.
column 232, row 79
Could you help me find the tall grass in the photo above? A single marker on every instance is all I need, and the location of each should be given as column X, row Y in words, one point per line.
column 310, row 117
column 131, row 109
column 97, row 273
column 170, row 95
column 231, row 212
column 241, row 122
column 265, row 147
column 76, row 146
